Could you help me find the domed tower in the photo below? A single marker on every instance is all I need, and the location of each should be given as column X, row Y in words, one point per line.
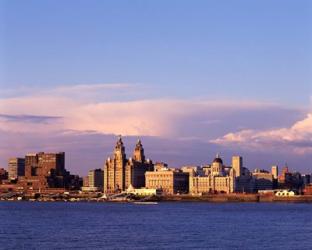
column 138, row 154
column 217, row 166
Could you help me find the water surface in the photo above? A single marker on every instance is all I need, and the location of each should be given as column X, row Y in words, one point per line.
column 58, row 225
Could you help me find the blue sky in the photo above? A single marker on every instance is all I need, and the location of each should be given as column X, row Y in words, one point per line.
column 232, row 49
column 253, row 58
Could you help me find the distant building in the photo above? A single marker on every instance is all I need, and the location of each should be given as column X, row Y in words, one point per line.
column 263, row 180
column 96, row 178
column 120, row 173
column 136, row 168
column 306, row 179
column 285, row 193
column 160, row 165
column 3, row 174
column 85, row 181
column 237, row 165
column 170, row 181
column 289, row 180
column 274, row 172
column 47, row 170
column 144, row 192
column 307, row 189
column 16, row 168
column 215, row 178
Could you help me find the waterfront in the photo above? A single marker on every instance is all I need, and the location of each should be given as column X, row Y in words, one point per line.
column 168, row 225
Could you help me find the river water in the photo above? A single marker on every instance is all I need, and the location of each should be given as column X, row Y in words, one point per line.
column 168, row 225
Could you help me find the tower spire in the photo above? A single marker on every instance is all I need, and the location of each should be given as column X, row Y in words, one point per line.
column 138, row 154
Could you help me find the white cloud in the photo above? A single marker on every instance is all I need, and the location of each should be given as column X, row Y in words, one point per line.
column 297, row 138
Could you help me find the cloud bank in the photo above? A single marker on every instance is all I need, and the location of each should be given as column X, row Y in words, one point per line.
column 92, row 111
column 297, row 138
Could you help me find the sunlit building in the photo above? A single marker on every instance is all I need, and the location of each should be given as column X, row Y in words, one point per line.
column 215, row 179
column 47, row 170
column 170, row 181
column 16, row 168
column 120, row 172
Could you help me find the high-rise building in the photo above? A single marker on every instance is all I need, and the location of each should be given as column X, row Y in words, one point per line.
column 274, row 171
column 31, row 165
column 237, row 165
column 96, row 178
column 47, row 170
column 120, row 173
column 16, row 168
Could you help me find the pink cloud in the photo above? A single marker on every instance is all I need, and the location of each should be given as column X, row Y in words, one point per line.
column 297, row 138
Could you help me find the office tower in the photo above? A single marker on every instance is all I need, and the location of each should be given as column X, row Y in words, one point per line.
column 96, row 178
column 237, row 165
column 16, row 168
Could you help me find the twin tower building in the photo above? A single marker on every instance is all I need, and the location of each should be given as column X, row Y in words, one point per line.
column 120, row 172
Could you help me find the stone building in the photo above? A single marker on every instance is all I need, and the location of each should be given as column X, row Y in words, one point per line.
column 120, row 172
column 170, row 181
column 215, row 178
column 136, row 168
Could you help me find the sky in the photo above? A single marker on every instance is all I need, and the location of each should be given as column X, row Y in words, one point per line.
column 190, row 78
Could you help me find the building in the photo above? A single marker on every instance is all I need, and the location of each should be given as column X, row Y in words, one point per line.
column 136, row 168
column 237, row 165
column 307, row 189
column 47, row 170
column 114, row 169
column 263, row 180
column 274, row 172
column 170, row 181
column 306, row 179
column 16, row 168
column 144, row 192
column 285, row 193
column 120, row 172
column 289, row 180
column 3, row 174
column 214, row 178
column 96, row 179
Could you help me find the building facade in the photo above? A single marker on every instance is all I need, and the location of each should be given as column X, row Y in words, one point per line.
column 47, row 170
column 215, row 178
column 263, row 180
column 170, row 181
column 120, row 172
column 16, row 167
column 96, row 178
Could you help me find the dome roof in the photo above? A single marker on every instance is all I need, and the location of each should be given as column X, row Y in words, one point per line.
column 217, row 159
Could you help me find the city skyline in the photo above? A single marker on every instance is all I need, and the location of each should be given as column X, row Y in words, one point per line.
column 191, row 80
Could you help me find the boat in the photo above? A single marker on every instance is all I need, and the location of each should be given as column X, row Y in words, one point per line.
column 145, row 202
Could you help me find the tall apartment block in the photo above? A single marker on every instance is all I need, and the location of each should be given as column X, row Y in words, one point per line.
column 16, row 168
